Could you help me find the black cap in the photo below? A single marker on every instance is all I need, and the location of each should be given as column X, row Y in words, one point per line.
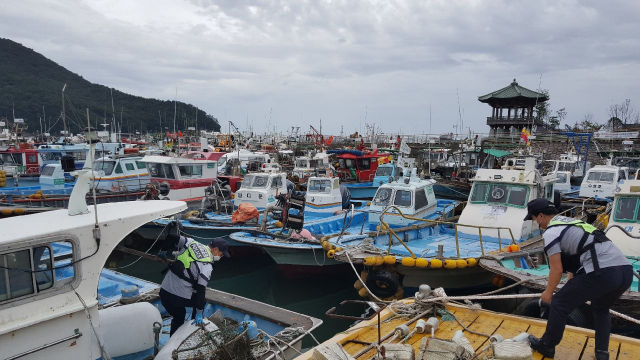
column 221, row 244
column 540, row 206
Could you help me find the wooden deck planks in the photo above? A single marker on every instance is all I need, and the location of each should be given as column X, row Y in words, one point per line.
column 629, row 351
column 589, row 350
column 571, row 346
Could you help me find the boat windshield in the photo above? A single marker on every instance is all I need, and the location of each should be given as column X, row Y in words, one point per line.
column 403, row 198
column 319, row 186
column 601, row 176
column 255, row 181
column 301, row 163
column 51, row 155
column 383, row 196
column 106, row 166
column 347, row 163
column 364, row 163
column 511, row 195
column 164, row 171
column 566, row 166
column 627, row 209
column 384, row 171
column 6, row 159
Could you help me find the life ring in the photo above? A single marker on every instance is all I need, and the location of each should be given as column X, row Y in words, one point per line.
column 383, row 283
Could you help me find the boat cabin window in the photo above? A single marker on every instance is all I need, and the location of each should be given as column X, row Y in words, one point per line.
column 164, row 171
column 276, row 182
column 25, row 272
column 601, row 176
column 188, row 171
column 548, row 191
column 512, row 195
column 562, row 178
column 129, row 166
column 319, row 186
column 141, row 165
column 78, row 155
column 384, row 171
column 364, row 164
column 621, row 175
column 301, row 163
column 48, row 170
column 260, row 181
column 402, row 198
column 118, row 169
column 315, row 163
column 566, row 166
column 7, row 159
column 421, row 199
column 51, row 156
column 106, row 166
column 383, row 196
column 347, row 163
column 626, row 209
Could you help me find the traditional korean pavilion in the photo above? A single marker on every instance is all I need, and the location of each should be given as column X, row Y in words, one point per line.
column 512, row 107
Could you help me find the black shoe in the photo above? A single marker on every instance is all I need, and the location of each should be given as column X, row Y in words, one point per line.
column 602, row 355
column 539, row 346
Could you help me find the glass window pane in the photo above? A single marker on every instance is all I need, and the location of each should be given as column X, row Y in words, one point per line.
column 63, row 254
column 625, row 209
column 260, row 181
column 403, row 198
column 3, row 279
column 518, row 196
column 168, row 171
column 383, row 196
column 594, row 176
column 129, row 166
column 42, row 264
column 421, row 199
column 118, row 169
column 20, row 281
column 140, row 165
column 384, row 171
column 498, row 194
column 479, row 192
column 606, row 177
column 276, row 182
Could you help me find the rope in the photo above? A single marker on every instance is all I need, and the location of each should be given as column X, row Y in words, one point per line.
column 103, row 352
column 146, row 252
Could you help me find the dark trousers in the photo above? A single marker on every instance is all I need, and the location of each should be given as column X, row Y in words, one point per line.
column 176, row 307
column 602, row 290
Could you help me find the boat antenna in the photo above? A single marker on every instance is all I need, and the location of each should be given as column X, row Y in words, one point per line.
column 93, row 178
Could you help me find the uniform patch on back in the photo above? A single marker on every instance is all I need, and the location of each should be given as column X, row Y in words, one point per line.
column 198, row 251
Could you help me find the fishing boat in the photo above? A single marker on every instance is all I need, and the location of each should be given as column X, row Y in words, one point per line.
column 214, row 217
column 428, row 327
column 601, row 181
column 298, row 256
column 445, row 253
column 22, row 160
column 357, row 171
column 306, row 166
column 50, row 306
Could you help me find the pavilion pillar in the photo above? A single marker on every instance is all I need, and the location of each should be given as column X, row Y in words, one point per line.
column 509, row 113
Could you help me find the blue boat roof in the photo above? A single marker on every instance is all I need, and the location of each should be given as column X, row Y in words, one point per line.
column 340, row 152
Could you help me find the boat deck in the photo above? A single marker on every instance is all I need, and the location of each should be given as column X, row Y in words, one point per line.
column 577, row 343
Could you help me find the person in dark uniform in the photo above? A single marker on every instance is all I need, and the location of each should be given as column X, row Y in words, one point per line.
column 186, row 282
column 598, row 272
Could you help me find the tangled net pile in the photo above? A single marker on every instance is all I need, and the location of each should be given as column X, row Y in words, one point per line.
column 224, row 343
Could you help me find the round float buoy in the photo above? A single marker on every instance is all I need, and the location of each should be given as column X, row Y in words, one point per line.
column 422, row 263
column 461, row 264
column 472, row 262
column 408, row 262
column 436, row 264
column 389, row 259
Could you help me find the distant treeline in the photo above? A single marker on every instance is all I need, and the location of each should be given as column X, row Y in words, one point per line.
column 29, row 81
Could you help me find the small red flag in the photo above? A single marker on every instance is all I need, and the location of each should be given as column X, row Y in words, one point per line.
column 179, row 133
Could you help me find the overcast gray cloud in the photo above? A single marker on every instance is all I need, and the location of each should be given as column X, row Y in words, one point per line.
column 347, row 62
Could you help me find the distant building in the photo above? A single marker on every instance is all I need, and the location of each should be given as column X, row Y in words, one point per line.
column 512, row 109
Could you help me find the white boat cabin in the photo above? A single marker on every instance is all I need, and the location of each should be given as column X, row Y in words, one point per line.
column 563, row 184
column 625, row 214
column 305, row 166
column 323, row 196
column 186, row 177
column 412, row 195
column 260, row 189
column 120, row 173
column 499, row 198
column 601, row 181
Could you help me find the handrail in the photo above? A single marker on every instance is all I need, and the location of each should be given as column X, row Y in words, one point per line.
column 76, row 335
column 455, row 226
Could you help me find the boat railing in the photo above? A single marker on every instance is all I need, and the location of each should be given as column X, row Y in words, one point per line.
column 453, row 206
column 392, row 234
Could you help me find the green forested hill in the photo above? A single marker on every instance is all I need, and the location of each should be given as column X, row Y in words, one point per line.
column 29, row 81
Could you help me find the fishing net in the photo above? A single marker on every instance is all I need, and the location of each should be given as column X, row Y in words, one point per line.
column 512, row 350
column 223, row 343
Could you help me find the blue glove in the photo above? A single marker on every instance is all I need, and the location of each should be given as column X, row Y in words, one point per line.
column 198, row 320
column 162, row 255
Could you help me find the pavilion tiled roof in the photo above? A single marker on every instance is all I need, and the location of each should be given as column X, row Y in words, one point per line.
column 513, row 91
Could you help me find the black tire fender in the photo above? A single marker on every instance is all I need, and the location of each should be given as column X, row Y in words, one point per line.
column 382, row 283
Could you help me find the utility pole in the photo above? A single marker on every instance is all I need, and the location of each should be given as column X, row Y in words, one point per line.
column 64, row 117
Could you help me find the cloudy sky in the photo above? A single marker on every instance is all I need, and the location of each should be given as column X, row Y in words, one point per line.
column 347, row 62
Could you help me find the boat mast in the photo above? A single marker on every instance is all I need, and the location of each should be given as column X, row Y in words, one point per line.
column 64, row 117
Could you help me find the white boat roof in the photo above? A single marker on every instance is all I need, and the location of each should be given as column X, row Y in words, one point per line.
column 172, row 160
column 628, row 187
column 506, row 176
column 59, row 221
column 607, row 167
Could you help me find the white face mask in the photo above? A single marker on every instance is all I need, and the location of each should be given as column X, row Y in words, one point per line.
column 217, row 258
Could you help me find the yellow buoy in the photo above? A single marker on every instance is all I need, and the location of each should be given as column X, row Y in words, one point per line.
column 449, row 264
column 358, row 285
column 6, row 212
column 422, row 263
column 363, row 275
column 279, row 224
column 324, row 238
column 32, row 196
column 37, row 196
column 326, row 245
column 338, row 249
column 472, row 262
column 389, row 259
column 40, row 192
column 461, row 264
column 363, row 292
column 331, row 254
column 370, row 261
column 436, row 264
column 379, row 260
column 409, row 262
column 18, row 211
